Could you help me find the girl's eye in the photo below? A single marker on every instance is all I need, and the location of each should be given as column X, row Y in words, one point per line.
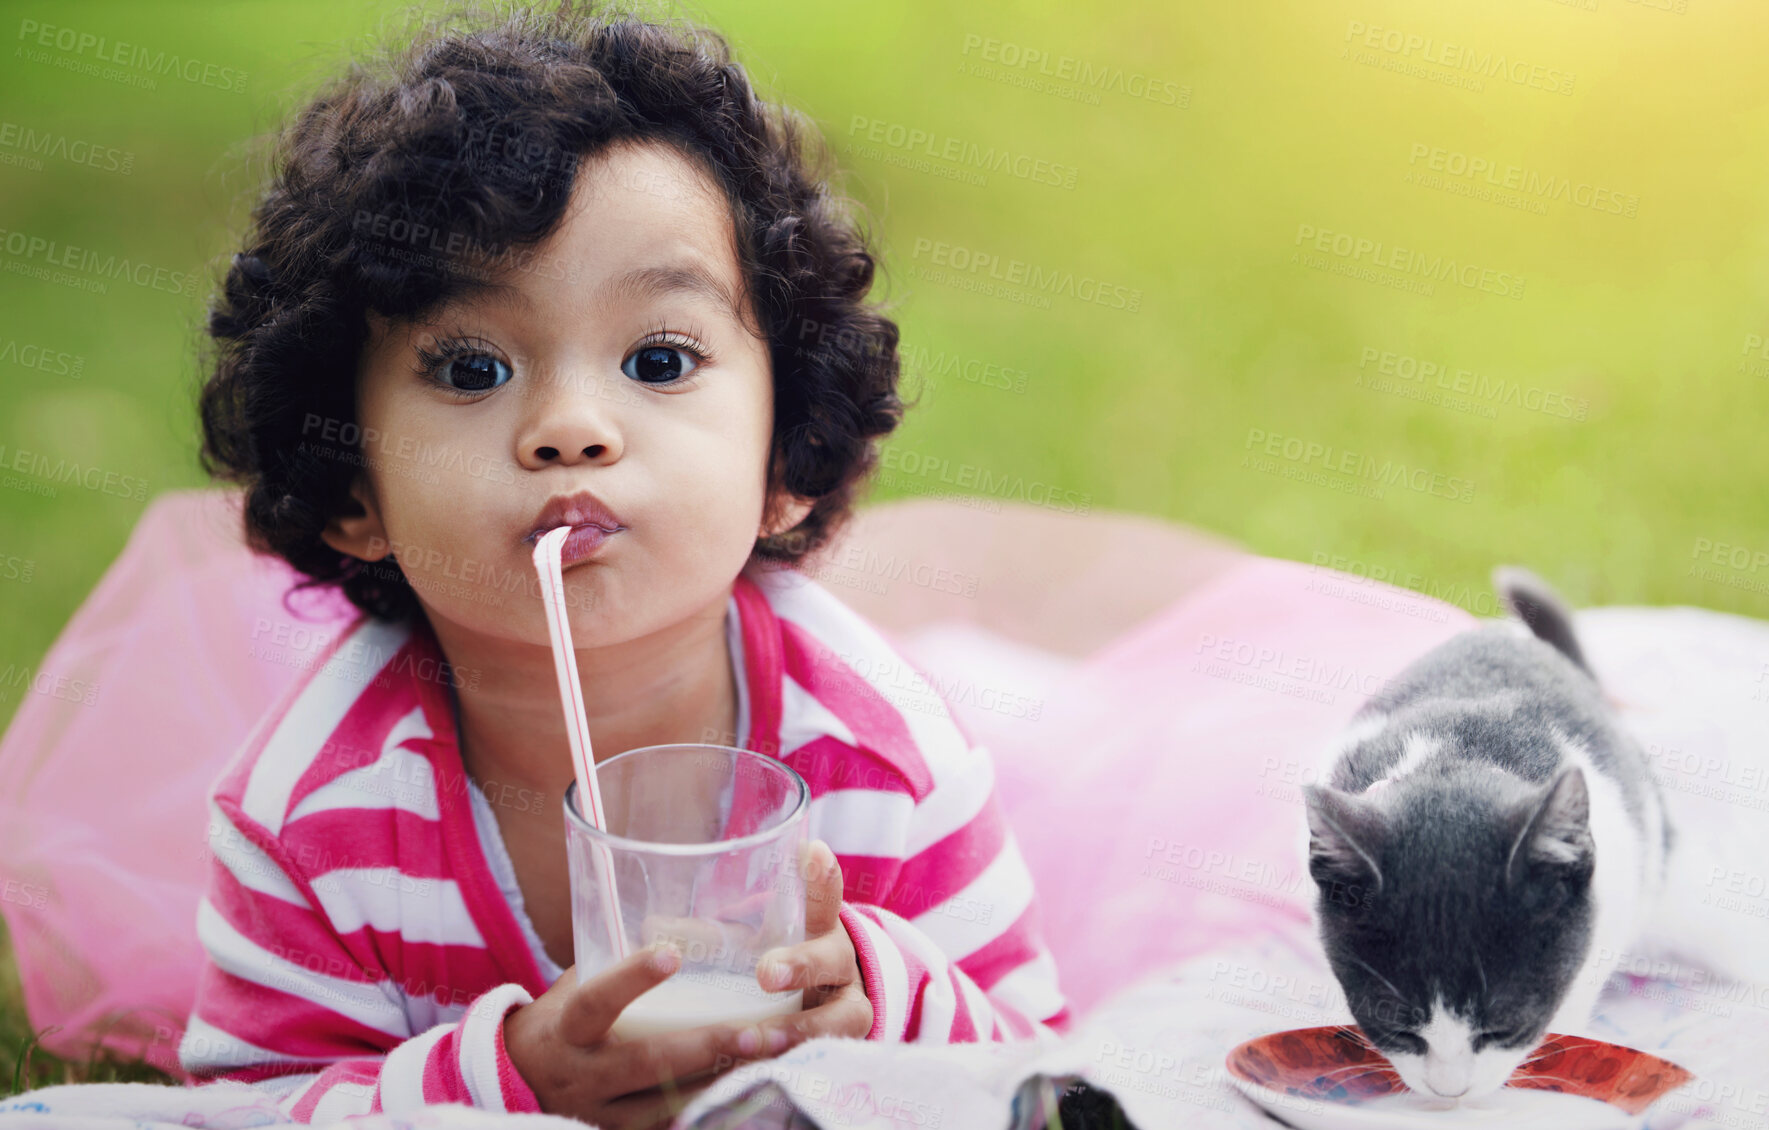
column 659, row 364
column 459, row 367
column 476, row 372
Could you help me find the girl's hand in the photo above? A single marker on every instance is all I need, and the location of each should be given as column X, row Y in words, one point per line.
column 824, row 965
column 560, row 1046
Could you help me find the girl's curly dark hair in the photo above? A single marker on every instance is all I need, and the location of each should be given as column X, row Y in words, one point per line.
column 406, row 182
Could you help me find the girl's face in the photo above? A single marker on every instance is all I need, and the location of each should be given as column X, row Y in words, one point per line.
column 619, row 361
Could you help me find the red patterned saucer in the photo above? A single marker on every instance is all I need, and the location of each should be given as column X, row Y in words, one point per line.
column 1308, row 1076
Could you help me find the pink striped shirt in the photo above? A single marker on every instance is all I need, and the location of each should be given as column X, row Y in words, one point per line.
column 362, row 954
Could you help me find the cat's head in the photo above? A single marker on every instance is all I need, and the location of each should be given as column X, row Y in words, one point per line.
column 1455, row 909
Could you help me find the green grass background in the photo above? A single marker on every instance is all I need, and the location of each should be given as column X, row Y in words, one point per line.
column 1646, row 319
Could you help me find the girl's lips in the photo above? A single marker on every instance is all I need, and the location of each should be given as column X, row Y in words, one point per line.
column 582, row 543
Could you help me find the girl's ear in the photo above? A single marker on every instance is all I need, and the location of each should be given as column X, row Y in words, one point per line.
column 362, row 534
column 783, row 512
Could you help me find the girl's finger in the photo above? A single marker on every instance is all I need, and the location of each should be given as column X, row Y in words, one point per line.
column 592, row 1007
column 821, row 962
column 823, row 889
column 848, row 1014
column 673, row 1059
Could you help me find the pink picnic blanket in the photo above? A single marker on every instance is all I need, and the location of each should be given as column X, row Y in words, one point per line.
column 1153, row 787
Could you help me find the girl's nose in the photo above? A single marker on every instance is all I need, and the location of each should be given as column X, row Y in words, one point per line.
column 571, row 422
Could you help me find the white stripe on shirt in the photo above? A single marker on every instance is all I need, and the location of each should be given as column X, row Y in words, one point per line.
column 939, row 1001
column 1005, row 887
column 1029, row 988
column 982, row 1012
column 862, row 821
column 956, row 799
column 313, row 717
column 248, row 863
column 342, row 1099
column 895, row 976
column 372, row 1005
column 204, row 1046
column 399, row 778
column 803, row 719
column 387, row 900
column 478, row 1044
column 402, row 1077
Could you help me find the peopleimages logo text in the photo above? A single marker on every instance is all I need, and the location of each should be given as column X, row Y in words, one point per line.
column 1020, row 273
column 1358, row 465
column 1459, row 57
column 39, row 249
column 1406, row 261
column 134, row 55
column 64, row 471
column 970, row 476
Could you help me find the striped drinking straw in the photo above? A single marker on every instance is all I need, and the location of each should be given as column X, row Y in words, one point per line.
column 577, row 727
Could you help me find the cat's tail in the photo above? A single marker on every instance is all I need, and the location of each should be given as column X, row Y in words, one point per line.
column 1533, row 601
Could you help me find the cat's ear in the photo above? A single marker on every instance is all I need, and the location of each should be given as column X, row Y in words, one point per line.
column 1343, row 831
column 1557, row 832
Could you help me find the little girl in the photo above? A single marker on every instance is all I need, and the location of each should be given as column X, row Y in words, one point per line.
column 561, row 269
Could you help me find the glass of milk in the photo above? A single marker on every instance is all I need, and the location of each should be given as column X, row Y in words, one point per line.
column 706, row 844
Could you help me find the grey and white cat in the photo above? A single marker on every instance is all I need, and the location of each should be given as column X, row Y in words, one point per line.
column 1486, row 839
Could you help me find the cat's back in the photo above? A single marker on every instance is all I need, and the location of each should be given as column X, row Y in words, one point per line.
column 1498, row 698
column 1495, row 660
